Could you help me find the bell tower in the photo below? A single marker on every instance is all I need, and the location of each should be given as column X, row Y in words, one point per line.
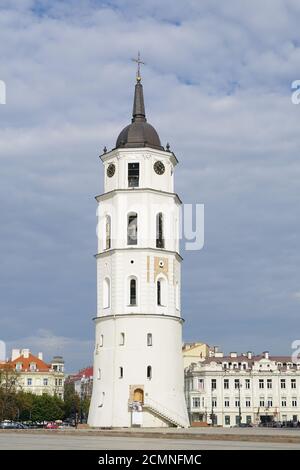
column 138, row 365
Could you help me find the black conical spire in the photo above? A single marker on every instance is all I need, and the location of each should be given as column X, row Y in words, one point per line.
column 139, row 133
column 138, row 112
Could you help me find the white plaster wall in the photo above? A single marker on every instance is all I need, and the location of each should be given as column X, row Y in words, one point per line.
column 109, row 406
column 117, row 266
column 147, row 204
column 146, row 158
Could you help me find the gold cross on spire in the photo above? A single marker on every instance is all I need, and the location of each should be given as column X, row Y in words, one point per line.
column 139, row 62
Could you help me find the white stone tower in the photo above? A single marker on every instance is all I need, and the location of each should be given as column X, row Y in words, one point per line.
column 138, row 365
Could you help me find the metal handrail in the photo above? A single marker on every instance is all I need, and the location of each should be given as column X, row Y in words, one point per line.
column 164, row 411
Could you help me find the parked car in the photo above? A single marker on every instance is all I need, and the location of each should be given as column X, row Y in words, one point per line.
column 65, row 426
column 12, row 425
column 243, row 425
column 51, row 426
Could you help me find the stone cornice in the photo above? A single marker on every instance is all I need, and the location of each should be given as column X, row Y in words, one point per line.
column 104, row 196
column 156, row 250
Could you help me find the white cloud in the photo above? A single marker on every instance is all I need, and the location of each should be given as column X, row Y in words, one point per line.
column 76, row 352
column 217, row 86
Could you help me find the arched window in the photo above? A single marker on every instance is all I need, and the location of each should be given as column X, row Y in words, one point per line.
column 106, row 293
column 132, row 228
column 160, row 242
column 121, row 372
column 107, row 232
column 161, row 294
column 138, row 395
column 149, row 372
column 99, row 374
column 101, row 341
column 149, row 339
column 122, row 339
column 132, row 292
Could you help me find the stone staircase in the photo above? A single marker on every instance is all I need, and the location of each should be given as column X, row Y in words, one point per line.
column 162, row 412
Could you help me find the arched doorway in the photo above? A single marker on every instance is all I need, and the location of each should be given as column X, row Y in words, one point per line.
column 138, row 395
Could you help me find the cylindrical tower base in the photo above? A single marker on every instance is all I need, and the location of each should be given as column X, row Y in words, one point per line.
column 138, row 372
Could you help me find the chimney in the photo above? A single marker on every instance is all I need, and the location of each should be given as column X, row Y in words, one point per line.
column 40, row 356
column 249, row 355
column 25, row 353
column 219, row 354
column 233, row 354
column 15, row 354
column 266, row 354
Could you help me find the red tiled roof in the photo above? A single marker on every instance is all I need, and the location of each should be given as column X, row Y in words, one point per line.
column 87, row 372
column 26, row 361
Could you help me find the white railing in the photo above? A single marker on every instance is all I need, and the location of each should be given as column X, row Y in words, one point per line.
column 170, row 415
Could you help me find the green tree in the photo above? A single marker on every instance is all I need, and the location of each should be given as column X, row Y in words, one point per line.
column 47, row 408
column 71, row 401
column 8, row 386
column 24, row 402
column 85, row 406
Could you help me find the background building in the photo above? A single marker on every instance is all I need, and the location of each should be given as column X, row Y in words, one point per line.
column 194, row 352
column 35, row 375
column 83, row 382
column 251, row 388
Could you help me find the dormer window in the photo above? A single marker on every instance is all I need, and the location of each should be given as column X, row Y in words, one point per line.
column 19, row 366
column 32, row 366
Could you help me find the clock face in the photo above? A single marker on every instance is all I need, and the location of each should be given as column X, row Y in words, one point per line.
column 111, row 170
column 159, row 167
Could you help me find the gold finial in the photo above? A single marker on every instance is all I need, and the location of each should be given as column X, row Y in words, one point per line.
column 139, row 62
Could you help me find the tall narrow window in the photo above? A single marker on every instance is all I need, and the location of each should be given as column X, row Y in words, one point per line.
column 132, row 229
column 149, row 372
column 158, row 292
column 149, row 339
column 161, row 294
column 106, row 293
column 132, row 293
column 133, row 175
column 101, row 341
column 122, row 339
column 99, row 374
column 121, row 372
column 107, row 232
column 160, row 242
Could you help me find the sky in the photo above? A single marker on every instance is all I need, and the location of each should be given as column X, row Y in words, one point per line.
column 217, row 86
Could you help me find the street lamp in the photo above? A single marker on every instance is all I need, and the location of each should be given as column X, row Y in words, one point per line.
column 212, row 416
column 81, row 398
column 240, row 408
